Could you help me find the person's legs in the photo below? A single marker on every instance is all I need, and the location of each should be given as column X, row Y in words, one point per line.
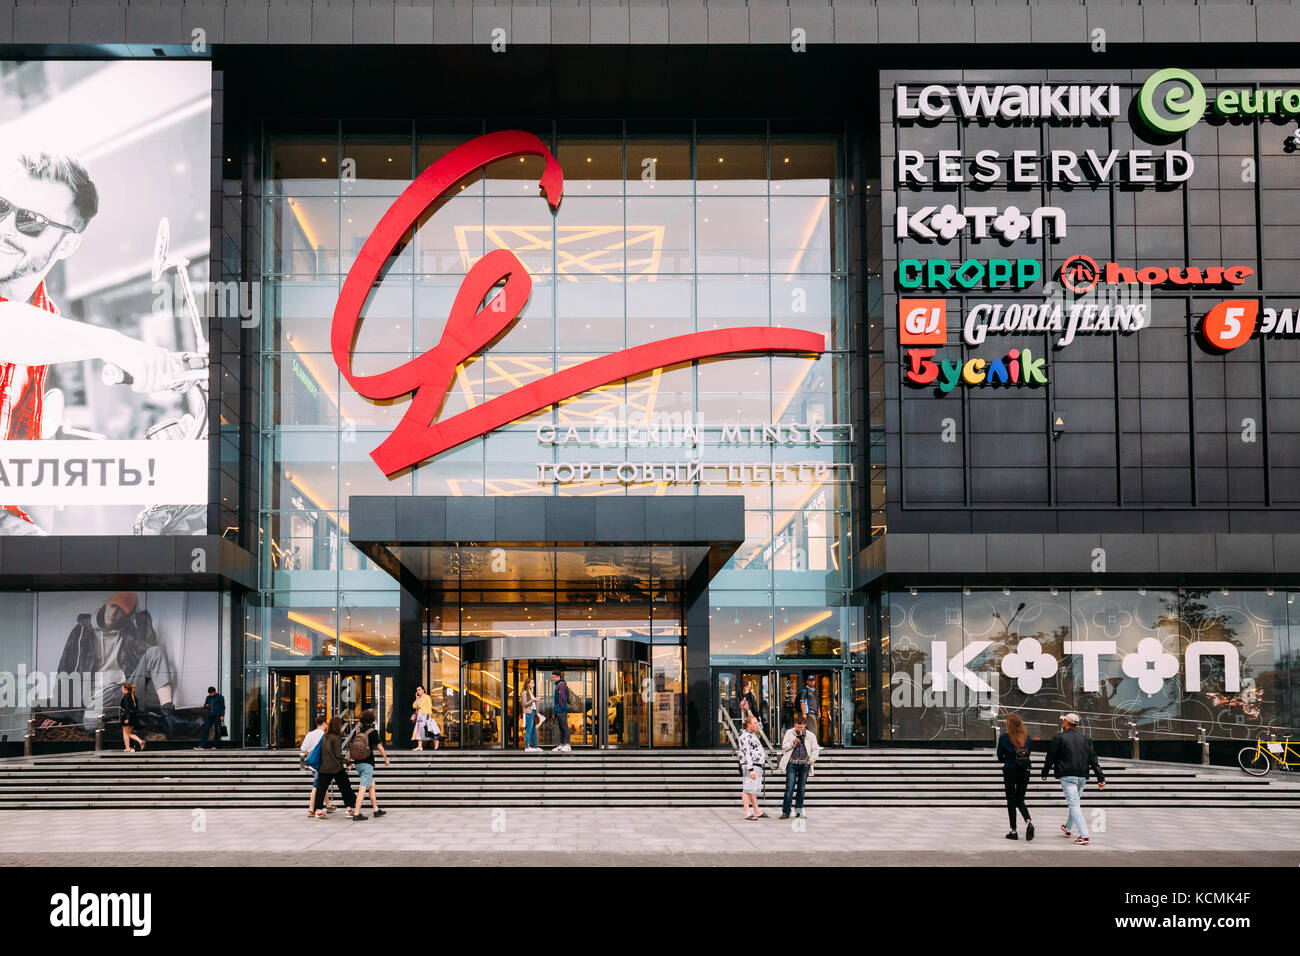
column 126, row 737
column 530, row 730
column 562, row 718
column 1022, row 787
column 1073, row 789
column 801, row 781
column 790, row 774
column 1009, row 784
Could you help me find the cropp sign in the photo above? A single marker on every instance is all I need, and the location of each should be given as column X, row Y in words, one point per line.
column 474, row 323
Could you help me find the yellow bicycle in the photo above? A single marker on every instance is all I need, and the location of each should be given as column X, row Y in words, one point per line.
column 1259, row 759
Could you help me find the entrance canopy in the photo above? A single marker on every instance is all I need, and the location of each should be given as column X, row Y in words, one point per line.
column 639, row 543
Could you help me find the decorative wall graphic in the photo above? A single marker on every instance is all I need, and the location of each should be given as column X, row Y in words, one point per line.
column 1114, row 658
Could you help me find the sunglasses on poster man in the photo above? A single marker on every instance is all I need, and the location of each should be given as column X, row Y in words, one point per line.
column 27, row 222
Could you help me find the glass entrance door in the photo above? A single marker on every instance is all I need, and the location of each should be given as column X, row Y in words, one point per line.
column 821, row 690
column 298, row 697
column 584, row 720
column 627, row 710
column 755, row 688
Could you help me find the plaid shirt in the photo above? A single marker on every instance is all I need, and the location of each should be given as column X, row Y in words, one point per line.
column 21, row 407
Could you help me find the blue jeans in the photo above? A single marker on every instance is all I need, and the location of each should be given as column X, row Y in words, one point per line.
column 215, row 724
column 796, row 778
column 530, row 729
column 1073, row 789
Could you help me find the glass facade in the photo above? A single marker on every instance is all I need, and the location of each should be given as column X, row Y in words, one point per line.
column 665, row 228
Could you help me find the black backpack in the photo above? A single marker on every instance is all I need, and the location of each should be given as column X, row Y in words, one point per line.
column 1023, row 761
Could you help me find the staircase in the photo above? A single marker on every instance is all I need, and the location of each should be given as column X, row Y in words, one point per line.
column 695, row 778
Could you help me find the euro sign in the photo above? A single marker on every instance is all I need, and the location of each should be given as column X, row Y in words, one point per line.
column 477, row 321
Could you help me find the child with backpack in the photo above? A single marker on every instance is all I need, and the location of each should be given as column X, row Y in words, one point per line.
column 1015, row 754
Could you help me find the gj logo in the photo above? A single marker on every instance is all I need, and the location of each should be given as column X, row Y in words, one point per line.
column 76, row 909
column 922, row 321
column 1230, row 324
column 1171, row 101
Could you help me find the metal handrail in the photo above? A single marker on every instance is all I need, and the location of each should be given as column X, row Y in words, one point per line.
column 1201, row 733
column 733, row 738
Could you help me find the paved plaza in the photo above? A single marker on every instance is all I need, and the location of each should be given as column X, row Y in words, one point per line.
column 670, row 837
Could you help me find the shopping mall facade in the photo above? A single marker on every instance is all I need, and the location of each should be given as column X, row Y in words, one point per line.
column 947, row 380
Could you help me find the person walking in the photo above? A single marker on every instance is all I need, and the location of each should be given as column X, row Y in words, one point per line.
column 332, row 769
column 753, row 761
column 1071, row 756
column 748, row 704
column 215, row 707
column 528, row 704
column 423, row 708
column 799, row 750
column 128, row 713
column 309, row 742
column 563, row 703
column 1013, row 751
column 365, row 743
column 808, row 704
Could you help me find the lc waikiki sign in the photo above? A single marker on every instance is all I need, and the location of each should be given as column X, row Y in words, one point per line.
column 478, row 318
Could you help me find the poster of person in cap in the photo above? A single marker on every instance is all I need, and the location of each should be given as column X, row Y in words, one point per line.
column 115, row 640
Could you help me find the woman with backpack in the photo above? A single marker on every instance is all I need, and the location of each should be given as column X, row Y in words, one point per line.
column 1015, row 754
column 129, row 712
column 333, row 769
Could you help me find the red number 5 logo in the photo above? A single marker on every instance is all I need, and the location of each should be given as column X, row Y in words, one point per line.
column 471, row 325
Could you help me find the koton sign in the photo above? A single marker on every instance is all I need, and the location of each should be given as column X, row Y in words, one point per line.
column 490, row 299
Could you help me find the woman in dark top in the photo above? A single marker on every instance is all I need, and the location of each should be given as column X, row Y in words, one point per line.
column 1014, row 752
column 129, row 712
column 333, row 769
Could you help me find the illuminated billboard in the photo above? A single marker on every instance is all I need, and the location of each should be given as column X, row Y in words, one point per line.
column 104, row 225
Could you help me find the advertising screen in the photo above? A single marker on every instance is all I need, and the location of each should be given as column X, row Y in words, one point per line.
column 65, row 655
column 104, row 225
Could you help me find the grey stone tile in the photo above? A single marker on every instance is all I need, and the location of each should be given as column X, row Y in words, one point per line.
column 856, row 23
column 898, row 24
column 1276, row 24
column 453, row 24
column 289, row 25
column 487, row 19
column 816, row 20
column 1122, row 23
column 728, row 24
column 649, row 24
column 413, row 24
column 330, row 25
column 571, row 25
column 610, row 25
column 1058, row 24
column 947, row 24
column 769, row 24
column 530, row 24
column 245, row 24
column 1001, row 25
column 40, row 24
column 688, row 24
column 1170, row 23
column 160, row 24
column 374, row 24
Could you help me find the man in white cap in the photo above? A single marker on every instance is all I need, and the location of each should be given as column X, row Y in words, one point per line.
column 1072, row 757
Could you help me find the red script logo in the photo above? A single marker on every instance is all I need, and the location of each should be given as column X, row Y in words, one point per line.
column 472, row 325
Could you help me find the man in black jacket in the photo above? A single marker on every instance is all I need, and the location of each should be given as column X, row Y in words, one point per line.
column 1071, row 755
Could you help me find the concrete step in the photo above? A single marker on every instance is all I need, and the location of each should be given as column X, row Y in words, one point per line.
column 184, row 779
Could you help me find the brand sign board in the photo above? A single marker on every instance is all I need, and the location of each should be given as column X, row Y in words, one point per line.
column 490, row 299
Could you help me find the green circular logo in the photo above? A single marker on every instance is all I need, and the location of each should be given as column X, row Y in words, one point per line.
column 1183, row 101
